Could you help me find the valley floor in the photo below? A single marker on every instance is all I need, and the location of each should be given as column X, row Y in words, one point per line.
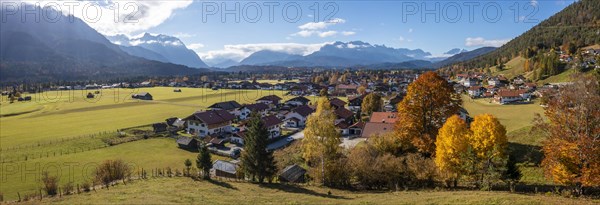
column 181, row 190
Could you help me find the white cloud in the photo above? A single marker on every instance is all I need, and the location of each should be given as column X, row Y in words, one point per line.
column 144, row 14
column 318, row 29
column 195, row 46
column 240, row 51
column 327, row 34
column 321, row 24
column 401, row 38
column 533, row 2
column 410, row 30
column 479, row 41
column 348, row 33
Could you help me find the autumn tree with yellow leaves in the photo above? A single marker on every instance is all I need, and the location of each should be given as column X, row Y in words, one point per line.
column 478, row 152
column 429, row 101
column 572, row 148
column 451, row 144
column 320, row 146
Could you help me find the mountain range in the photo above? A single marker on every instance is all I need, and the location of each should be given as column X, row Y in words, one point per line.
column 68, row 49
column 158, row 47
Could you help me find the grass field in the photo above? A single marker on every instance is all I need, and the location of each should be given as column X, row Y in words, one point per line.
column 64, row 114
column 513, row 117
column 55, row 129
column 273, row 82
column 186, row 191
column 23, row 176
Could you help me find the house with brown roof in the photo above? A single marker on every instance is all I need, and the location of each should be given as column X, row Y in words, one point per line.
column 384, row 117
column 507, row 96
column 269, row 100
column 297, row 117
column 346, row 89
column 356, row 128
column 337, row 103
column 374, row 128
column 271, row 122
column 476, row 91
column 343, row 115
column 209, row 123
column 142, row 96
column 229, row 106
column 246, row 110
column 354, row 102
column 297, row 101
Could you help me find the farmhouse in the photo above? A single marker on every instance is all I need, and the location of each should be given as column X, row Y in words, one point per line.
column 374, row 128
column 209, row 122
column 356, row 128
column 225, row 169
column 271, row 122
column 508, row 96
column 343, row 115
column 142, row 96
column 269, row 100
column 297, row 101
column 293, row 174
column 246, row 110
column 297, row 117
column 159, row 127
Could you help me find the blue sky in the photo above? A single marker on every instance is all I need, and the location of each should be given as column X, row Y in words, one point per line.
column 400, row 24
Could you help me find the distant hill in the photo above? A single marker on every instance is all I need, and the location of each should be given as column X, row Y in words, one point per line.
column 170, row 48
column 68, row 50
column 577, row 26
column 266, row 56
column 339, row 54
column 464, row 56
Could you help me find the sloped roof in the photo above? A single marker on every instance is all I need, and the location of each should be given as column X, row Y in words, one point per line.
column 360, row 125
column 212, row 116
column 372, row 128
column 271, row 120
column 270, row 98
column 225, row 166
column 256, row 107
column 337, row 102
column 299, row 99
column 343, row 113
column 185, row 140
column 292, row 173
column 304, row 110
column 228, row 105
column 384, row 117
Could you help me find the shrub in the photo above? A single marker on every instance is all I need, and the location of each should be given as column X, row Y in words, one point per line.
column 50, row 184
column 68, row 188
column 423, row 169
column 86, row 186
column 112, row 170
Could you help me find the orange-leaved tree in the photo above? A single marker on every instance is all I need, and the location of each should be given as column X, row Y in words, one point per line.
column 429, row 101
column 451, row 144
column 572, row 147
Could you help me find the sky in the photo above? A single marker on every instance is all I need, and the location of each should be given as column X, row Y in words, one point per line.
column 219, row 30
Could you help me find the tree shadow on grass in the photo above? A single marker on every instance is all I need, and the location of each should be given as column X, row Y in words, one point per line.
column 300, row 190
column 527, row 154
column 222, row 184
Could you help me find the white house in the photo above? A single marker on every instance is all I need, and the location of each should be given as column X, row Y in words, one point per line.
column 297, row 117
column 476, row 91
column 468, row 82
column 246, row 110
column 209, row 123
column 272, row 123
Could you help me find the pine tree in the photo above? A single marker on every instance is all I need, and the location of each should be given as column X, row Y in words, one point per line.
column 204, row 161
column 257, row 162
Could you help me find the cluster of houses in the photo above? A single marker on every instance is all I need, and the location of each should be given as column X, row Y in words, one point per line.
column 497, row 88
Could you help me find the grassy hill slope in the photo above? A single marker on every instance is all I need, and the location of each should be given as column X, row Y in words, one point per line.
column 186, row 191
